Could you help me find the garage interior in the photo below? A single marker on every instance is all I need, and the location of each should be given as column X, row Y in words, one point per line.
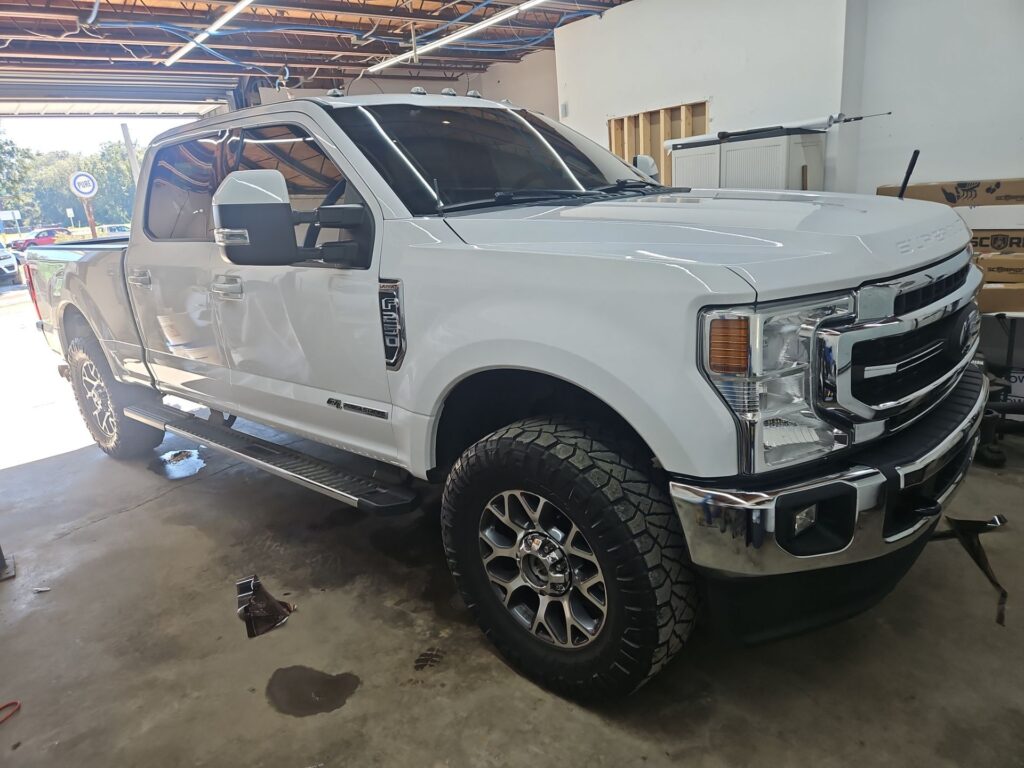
column 118, row 632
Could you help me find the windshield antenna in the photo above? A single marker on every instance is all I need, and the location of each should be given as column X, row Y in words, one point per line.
column 437, row 194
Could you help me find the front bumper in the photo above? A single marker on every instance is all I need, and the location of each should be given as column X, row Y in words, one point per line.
column 884, row 500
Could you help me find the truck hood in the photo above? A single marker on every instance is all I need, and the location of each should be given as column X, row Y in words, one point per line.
column 783, row 243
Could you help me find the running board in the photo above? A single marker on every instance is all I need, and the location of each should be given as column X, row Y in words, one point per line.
column 355, row 490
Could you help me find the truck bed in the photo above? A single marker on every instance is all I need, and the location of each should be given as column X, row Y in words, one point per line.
column 88, row 274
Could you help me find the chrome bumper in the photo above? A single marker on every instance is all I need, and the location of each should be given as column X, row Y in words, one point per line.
column 734, row 531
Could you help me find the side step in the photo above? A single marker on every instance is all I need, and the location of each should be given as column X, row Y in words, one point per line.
column 354, row 490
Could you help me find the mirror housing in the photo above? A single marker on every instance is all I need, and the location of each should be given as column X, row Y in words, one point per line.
column 252, row 216
column 647, row 166
column 348, row 216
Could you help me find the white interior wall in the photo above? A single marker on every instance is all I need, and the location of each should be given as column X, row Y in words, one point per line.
column 952, row 76
column 755, row 62
column 528, row 83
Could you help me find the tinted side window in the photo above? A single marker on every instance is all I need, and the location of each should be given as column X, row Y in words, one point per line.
column 313, row 178
column 179, row 205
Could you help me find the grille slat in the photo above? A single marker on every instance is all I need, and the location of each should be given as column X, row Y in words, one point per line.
column 929, row 294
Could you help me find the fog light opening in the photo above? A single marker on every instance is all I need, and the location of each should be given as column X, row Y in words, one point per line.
column 804, row 519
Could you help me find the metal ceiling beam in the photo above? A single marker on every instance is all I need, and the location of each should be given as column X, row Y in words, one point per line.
column 262, row 27
column 12, row 11
column 159, row 40
column 109, row 12
column 291, row 63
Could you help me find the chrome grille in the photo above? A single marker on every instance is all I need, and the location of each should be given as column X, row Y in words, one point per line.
column 906, row 349
column 928, row 294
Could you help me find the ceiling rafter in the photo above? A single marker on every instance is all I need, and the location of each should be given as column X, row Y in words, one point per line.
column 331, row 45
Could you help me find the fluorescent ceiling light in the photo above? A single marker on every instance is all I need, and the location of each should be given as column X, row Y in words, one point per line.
column 202, row 37
column 420, row 50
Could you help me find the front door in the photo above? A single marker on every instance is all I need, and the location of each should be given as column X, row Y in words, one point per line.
column 169, row 267
column 303, row 341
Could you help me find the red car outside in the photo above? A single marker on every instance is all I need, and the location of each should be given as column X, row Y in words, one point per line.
column 45, row 236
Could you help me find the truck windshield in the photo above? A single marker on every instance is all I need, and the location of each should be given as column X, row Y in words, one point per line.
column 459, row 156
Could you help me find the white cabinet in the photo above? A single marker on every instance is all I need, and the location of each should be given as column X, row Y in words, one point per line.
column 787, row 158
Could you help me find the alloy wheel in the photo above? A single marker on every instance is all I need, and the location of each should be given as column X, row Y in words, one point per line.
column 99, row 399
column 543, row 569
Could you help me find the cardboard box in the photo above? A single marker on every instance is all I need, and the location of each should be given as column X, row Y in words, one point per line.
column 961, row 193
column 998, row 240
column 993, row 216
column 1002, row 267
column 1001, row 297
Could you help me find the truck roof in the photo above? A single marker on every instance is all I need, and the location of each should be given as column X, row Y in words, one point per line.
column 331, row 102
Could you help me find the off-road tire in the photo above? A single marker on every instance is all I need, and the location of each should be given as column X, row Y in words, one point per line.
column 123, row 438
column 606, row 486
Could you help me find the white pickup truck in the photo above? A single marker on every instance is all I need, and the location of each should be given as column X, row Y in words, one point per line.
column 637, row 398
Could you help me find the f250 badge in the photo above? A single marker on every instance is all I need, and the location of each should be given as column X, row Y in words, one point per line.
column 392, row 322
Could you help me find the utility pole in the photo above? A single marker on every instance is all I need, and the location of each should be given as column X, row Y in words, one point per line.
column 133, row 160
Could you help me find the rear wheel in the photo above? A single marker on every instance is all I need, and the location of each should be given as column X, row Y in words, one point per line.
column 102, row 399
column 570, row 555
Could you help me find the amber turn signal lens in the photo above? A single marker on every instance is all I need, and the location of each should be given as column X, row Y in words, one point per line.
column 729, row 350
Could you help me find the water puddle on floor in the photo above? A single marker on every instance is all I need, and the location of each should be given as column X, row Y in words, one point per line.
column 177, row 465
column 303, row 691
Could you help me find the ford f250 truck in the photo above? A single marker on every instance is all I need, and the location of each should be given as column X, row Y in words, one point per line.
column 636, row 398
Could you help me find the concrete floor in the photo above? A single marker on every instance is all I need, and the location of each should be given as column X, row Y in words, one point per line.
column 135, row 657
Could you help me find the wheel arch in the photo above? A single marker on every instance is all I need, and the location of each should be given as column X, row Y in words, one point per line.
column 72, row 323
column 485, row 400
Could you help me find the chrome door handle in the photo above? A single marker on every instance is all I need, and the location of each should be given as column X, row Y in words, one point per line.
column 228, row 289
column 140, row 277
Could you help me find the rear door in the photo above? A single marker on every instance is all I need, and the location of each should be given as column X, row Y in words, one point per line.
column 304, row 341
column 169, row 266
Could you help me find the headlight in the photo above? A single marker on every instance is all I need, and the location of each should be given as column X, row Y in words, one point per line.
column 760, row 360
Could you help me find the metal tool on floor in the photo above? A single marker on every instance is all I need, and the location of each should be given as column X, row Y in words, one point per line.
column 967, row 533
column 9, row 710
column 260, row 610
column 7, row 570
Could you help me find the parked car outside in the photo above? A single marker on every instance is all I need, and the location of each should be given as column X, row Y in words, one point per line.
column 45, row 236
column 8, row 266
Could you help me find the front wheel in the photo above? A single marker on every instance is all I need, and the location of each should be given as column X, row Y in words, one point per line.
column 569, row 555
column 102, row 399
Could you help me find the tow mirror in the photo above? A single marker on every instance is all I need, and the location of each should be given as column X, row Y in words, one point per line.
column 647, row 166
column 252, row 216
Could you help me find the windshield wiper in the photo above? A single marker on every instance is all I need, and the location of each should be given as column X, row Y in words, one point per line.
column 621, row 185
column 510, row 197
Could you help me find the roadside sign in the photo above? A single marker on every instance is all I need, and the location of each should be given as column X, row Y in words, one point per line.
column 83, row 184
column 70, row 213
column 10, row 215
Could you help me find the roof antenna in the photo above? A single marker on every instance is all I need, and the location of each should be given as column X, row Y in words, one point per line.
column 910, row 171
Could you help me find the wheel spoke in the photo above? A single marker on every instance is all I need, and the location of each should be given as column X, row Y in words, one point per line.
column 532, row 511
column 538, row 620
column 508, row 587
column 503, row 515
column 574, row 550
column 571, row 623
column 498, row 551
